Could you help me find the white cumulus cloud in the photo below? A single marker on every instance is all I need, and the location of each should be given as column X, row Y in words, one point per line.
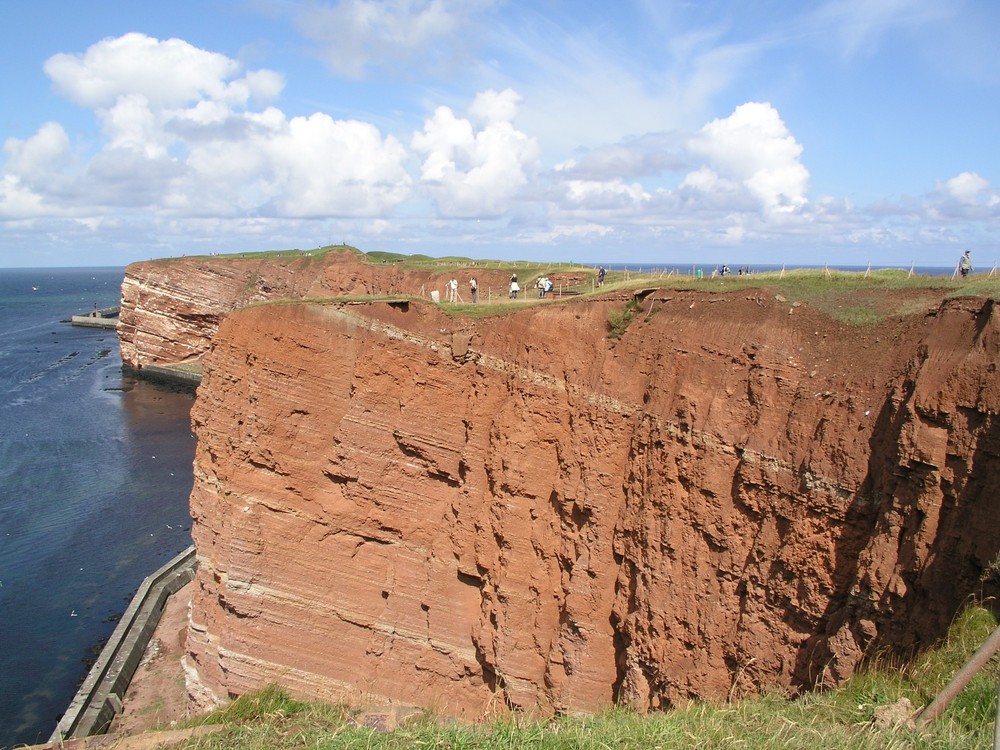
column 967, row 195
column 311, row 166
column 178, row 138
column 754, row 148
column 41, row 154
column 966, row 187
column 496, row 106
column 18, row 201
column 169, row 73
column 471, row 173
column 327, row 166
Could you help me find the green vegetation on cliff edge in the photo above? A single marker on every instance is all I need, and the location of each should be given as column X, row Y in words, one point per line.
column 854, row 299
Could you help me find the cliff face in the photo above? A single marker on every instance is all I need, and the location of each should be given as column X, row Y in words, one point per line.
column 170, row 310
column 392, row 503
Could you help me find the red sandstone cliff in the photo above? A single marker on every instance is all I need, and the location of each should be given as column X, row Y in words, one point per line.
column 170, row 310
column 393, row 503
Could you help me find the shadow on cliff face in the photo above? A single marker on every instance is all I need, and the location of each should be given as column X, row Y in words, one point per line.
column 915, row 545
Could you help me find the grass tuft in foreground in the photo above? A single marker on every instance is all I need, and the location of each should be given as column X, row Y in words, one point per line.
column 847, row 718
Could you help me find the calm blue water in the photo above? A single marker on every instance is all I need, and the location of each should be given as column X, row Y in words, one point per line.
column 95, row 473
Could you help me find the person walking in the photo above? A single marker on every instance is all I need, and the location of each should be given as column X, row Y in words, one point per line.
column 514, row 288
column 965, row 264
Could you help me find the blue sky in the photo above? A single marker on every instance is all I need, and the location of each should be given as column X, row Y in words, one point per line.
column 643, row 131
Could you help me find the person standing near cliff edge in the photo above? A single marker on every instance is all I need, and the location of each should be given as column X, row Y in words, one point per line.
column 474, row 289
column 965, row 264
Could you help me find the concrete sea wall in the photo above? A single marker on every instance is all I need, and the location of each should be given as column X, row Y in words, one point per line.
column 99, row 697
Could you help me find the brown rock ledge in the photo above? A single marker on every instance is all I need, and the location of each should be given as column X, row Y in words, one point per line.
column 157, row 695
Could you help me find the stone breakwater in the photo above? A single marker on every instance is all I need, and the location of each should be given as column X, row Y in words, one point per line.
column 99, row 698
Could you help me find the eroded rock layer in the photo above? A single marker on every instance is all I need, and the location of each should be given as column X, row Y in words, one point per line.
column 391, row 503
column 171, row 309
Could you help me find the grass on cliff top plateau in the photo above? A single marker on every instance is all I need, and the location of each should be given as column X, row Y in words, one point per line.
column 851, row 298
column 289, row 254
column 859, row 299
column 853, row 717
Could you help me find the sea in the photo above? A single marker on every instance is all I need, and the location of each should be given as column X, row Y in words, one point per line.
column 95, row 474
